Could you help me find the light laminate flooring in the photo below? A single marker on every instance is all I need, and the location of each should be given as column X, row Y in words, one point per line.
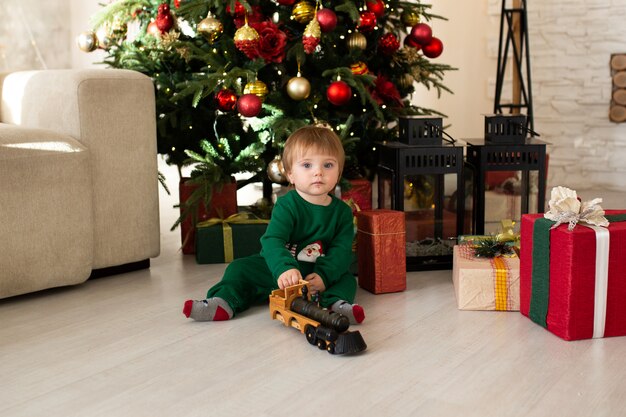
column 120, row 346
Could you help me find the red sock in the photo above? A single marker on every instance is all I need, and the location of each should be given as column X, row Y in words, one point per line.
column 220, row 314
column 358, row 313
column 187, row 308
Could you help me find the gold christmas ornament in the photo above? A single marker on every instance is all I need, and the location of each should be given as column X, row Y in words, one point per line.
column 359, row 68
column 298, row 88
column 210, row 28
column 258, row 88
column 303, row 12
column 356, row 40
column 103, row 35
column 87, row 41
column 246, row 40
column 406, row 80
column 276, row 171
column 410, row 18
column 311, row 36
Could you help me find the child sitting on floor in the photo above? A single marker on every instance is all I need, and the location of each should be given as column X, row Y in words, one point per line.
column 309, row 237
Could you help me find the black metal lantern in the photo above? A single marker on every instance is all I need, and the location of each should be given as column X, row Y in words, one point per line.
column 413, row 176
column 501, row 165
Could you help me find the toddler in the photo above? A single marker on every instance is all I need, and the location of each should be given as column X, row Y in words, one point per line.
column 308, row 237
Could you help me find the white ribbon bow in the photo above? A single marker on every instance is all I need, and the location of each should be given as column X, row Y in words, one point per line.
column 565, row 207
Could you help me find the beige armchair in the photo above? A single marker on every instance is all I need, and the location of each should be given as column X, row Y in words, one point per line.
column 78, row 176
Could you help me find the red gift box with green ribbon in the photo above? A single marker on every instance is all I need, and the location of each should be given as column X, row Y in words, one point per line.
column 573, row 283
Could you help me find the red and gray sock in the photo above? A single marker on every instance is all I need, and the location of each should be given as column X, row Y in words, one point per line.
column 353, row 312
column 211, row 309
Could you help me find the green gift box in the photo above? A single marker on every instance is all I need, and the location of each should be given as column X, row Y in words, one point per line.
column 222, row 240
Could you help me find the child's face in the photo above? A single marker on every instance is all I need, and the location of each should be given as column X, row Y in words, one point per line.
column 314, row 175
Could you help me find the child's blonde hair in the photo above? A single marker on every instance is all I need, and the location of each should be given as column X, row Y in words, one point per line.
column 316, row 138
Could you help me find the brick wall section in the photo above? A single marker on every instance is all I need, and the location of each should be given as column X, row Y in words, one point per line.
column 571, row 43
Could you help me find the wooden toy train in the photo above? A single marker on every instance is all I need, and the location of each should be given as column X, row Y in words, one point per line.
column 326, row 329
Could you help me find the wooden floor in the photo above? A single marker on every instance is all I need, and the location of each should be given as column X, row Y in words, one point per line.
column 120, row 346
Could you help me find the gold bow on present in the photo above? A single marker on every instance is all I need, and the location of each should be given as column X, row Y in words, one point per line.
column 238, row 218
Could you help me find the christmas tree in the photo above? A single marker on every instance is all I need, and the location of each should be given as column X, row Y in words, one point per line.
column 234, row 78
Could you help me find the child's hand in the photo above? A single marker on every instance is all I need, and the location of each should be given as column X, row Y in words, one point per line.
column 288, row 278
column 316, row 284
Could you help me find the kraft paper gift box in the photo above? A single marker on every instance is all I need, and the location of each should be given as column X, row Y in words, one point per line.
column 222, row 240
column 573, row 283
column 381, row 250
column 485, row 283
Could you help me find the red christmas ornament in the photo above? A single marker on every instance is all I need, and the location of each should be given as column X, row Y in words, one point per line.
column 286, row 2
column 240, row 11
column 339, row 93
column 421, row 33
column 412, row 43
column 177, row 3
column 327, row 20
column 388, row 44
column 249, row 105
column 367, row 21
column 434, row 48
column 164, row 19
column 377, row 7
column 226, row 100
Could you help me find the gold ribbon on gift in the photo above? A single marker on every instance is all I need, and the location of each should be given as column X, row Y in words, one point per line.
column 238, row 218
column 501, row 282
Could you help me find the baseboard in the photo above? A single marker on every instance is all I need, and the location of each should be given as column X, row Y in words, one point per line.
column 120, row 269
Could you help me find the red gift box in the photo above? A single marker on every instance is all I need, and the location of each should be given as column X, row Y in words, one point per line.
column 563, row 299
column 381, row 249
column 360, row 193
column 223, row 204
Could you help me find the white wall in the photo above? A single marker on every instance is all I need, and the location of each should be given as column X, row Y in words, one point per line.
column 467, row 37
column 34, row 34
column 570, row 46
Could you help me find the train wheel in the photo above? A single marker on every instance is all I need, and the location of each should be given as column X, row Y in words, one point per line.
column 330, row 347
column 321, row 343
column 309, row 332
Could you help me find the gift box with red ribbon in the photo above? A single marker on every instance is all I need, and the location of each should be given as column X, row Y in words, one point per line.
column 572, row 282
column 381, row 250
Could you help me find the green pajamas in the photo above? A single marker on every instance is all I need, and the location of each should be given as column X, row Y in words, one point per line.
column 300, row 235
